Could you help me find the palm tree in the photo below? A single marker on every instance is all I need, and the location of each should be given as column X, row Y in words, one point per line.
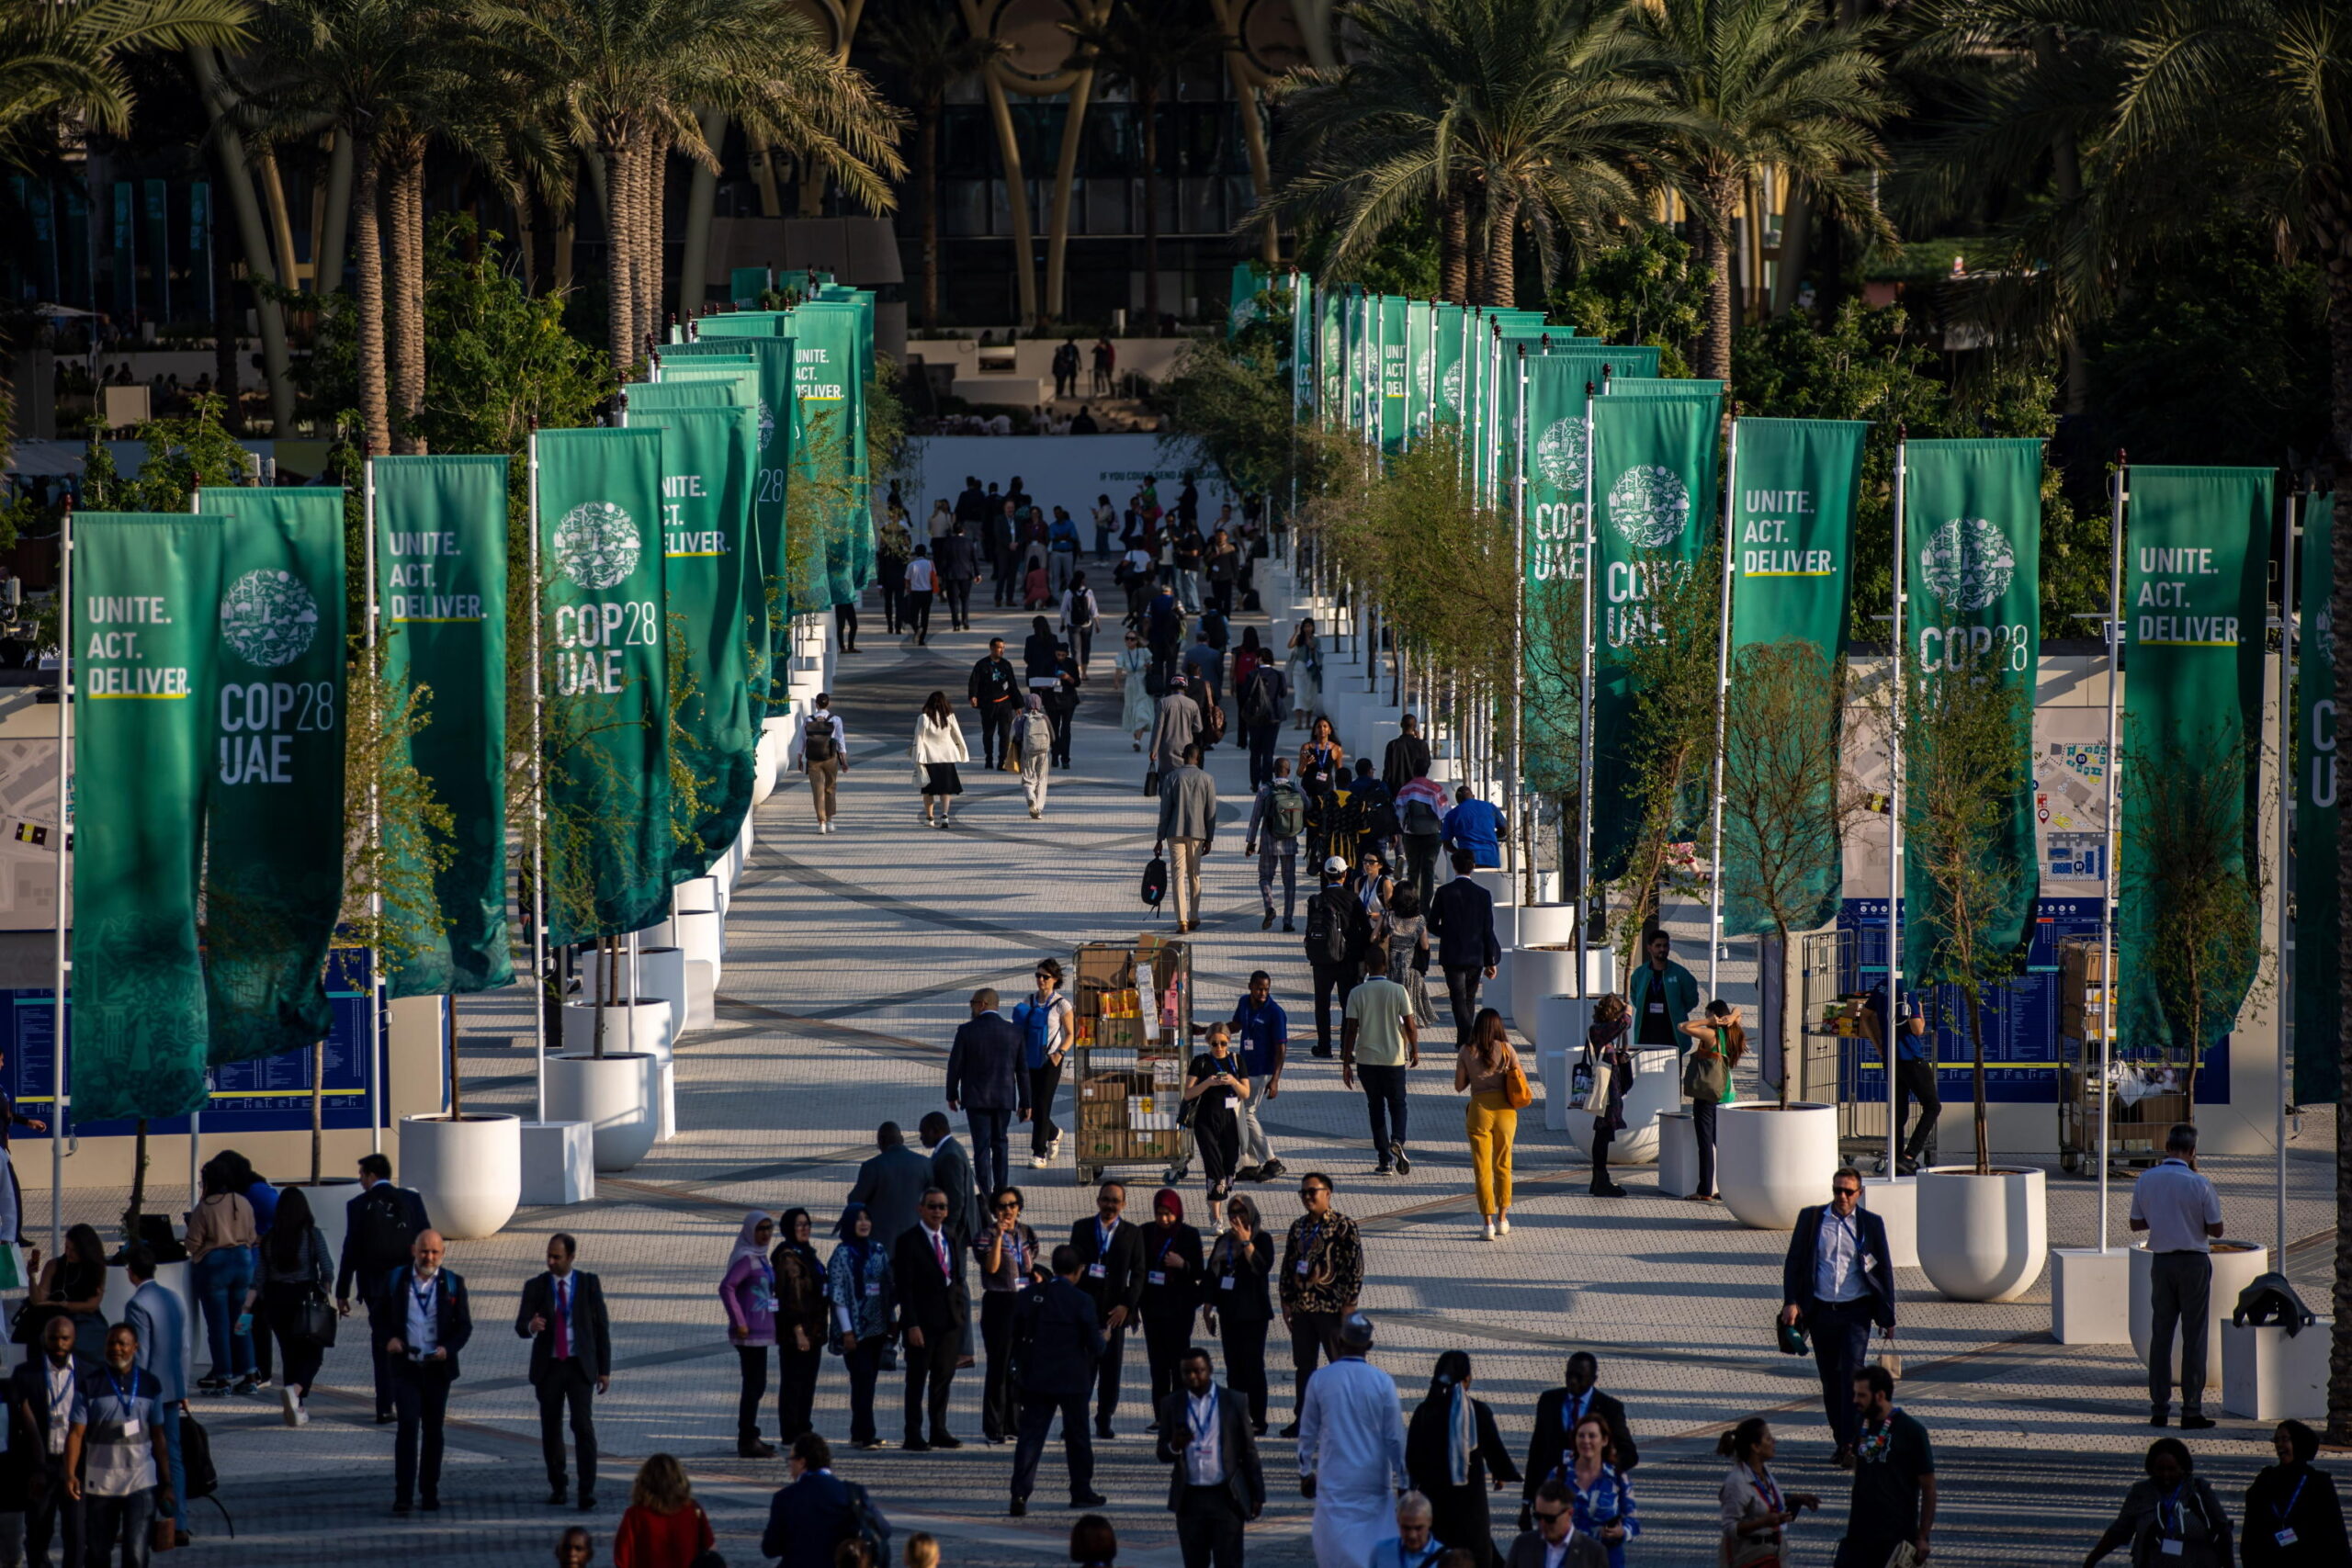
column 1145, row 47
column 933, row 52
column 1780, row 88
column 1498, row 112
column 625, row 81
column 66, row 59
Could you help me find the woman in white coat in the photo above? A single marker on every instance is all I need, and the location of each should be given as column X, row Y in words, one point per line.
column 938, row 747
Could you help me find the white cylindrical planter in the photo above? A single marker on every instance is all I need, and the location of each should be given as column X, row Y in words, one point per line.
column 701, row 938
column 1983, row 1238
column 1550, row 970
column 1677, row 1155
column 704, row 891
column 470, row 1173
column 628, row 1026
column 661, row 976
column 767, row 756
column 1895, row 1201
column 617, row 1096
column 2235, row 1266
column 1657, row 1088
column 1770, row 1163
column 1547, row 925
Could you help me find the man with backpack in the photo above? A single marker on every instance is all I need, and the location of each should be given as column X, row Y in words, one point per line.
column 823, row 747
column 1371, row 813
column 995, row 689
column 1420, row 818
column 381, row 1228
column 1265, row 697
column 1339, row 933
column 1276, row 820
column 815, row 1511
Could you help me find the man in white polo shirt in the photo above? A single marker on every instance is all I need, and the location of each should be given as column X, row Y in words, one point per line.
column 2182, row 1214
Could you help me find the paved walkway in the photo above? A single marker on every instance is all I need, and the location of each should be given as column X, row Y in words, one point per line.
column 849, row 960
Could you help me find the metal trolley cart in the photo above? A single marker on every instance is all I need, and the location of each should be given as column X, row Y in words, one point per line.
column 1134, row 1002
column 2145, row 1086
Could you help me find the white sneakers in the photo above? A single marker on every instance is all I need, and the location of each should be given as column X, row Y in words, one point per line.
column 1038, row 1162
column 1503, row 1223
column 290, row 1403
column 1054, row 1149
column 1490, row 1230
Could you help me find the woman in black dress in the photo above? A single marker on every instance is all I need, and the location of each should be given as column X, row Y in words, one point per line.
column 2293, row 1517
column 1454, row 1456
column 1239, row 1306
column 1216, row 1086
column 1172, row 1290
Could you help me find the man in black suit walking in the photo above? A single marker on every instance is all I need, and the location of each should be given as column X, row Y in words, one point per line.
column 429, row 1322
column 1111, row 1262
column 1213, row 1484
column 379, row 1229
column 1057, row 1340
column 891, row 1184
column 927, row 1267
column 988, row 1081
column 1557, row 1410
column 1837, row 1280
column 572, row 1351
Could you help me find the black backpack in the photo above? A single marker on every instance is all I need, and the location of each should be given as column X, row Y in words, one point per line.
column 1155, row 882
column 196, row 1459
column 816, row 738
column 1256, row 707
column 385, row 1234
column 1327, row 929
column 866, row 1521
column 1082, row 611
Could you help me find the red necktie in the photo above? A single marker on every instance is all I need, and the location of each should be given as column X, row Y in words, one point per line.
column 939, row 1245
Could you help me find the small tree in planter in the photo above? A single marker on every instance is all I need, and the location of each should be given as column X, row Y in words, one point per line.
column 1964, row 741
column 1672, row 674
column 1787, row 800
column 2197, row 901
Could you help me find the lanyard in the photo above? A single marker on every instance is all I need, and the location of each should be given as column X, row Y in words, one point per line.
column 2296, row 1497
column 1019, row 1254
column 423, row 1298
column 1766, row 1489
column 1102, row 1239
column 1192, row 1418
column 2176, row 1525
column 123, row 1396
column 1166, row 1242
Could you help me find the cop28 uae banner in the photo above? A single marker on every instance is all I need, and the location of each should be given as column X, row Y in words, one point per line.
column 1653, row 485
column 1971, row 587
column 273, row 833
column 708, row 558
column 606, row 684
column 824, row 374
column 143, row 630
column 1795, row 484
column 2319, row 1008
column 1552, row 545
column 441, row 606
column 779, row 429
column 2195, row 613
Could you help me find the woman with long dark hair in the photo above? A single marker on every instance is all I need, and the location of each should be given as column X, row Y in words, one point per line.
column 1604, row 1047
column 801, row 1312
column 938, row 747
column 1454, row 1456
column 221, row 1238
column 1239, row 1306
column 296, row 1272
column 1483, row 1068
column 1706, row 1078
column 1756, row 1512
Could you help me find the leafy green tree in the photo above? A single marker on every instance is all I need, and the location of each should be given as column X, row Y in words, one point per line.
column 1646, row 291
column 62, row 63
column 1772, row 85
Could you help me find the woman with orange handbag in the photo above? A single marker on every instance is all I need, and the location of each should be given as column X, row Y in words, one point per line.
column 1490, row 1070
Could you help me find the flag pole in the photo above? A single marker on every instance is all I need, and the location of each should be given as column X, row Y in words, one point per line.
column 375, row 831
column 1722, row 689
column 1589, row 552
column 2119, row 491
column 2285, row 1011
column 1888, row 1047
column 538, row 802
column 1518, row 638
column 62, row 967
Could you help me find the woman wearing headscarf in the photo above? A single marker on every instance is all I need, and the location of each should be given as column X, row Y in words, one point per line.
column 801, row 1312
column 748, row 1293
column 1172, row 1290
column 858, row 1285
column 2293, row 1517
column 1236, row 1304
column 2171, row 1518
column 1454, row 1456
column 1032, row 733
column 1136, row 705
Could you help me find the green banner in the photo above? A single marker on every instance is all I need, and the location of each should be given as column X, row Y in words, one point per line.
column 1662, row 385
column 738, row 324
column 1971, row 594
column 1330, row 351
column 1794, row 485
column 722, row 386
column 441, row 587
column 1249, row 280
column 827, row 389
column 745, row 285
column 1654, row 496
column 606, row 684
column 1421, row 368
column 773, row 358
column 1301, row 344
column 1388, row 367
column 1553, row 546
column 1448, row 339
column 2197, row 568
column 2318, row 976
column 710, row 560
column 143, row 633
column 274, row 835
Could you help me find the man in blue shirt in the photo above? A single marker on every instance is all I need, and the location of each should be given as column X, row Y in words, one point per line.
column 1474, row 826
column 1915, row 1075
column 1261, row 1033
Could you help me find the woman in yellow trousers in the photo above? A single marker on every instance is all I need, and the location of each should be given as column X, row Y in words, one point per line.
column 1483, row 1067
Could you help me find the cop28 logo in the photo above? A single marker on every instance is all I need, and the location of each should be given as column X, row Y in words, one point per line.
column 1453, row 385
column 1967, row 563
column 596, row 544
column 1649, row 506
column 268, row 618
column 768, row 423
column 1560, row 453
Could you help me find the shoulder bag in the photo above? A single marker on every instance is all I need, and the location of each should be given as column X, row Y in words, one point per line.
column 1603, row 1074
column 1517, row 1093
column 1705, row 1077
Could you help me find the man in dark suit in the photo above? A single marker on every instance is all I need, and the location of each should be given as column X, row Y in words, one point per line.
column 927, row 1272
column 1111, row 1268
column 1837, row 1280
column 429, row 1322
column 810, row 1514
column 986, row 1081
column 1557, row 1410
column 380, row 1228
column 891, row 1184
column 51, row 1414
column 951, row 1172
column 1213, row 1484
column 1556, row 1531
column 1057, row 1340
column 1462, row 918
column 572, row 1351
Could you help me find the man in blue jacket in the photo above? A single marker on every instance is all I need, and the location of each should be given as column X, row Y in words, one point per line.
column 1837, row 1280
column 1475, row 826
column 814, row 1513
column 1057, row 1340
column 985, row 1080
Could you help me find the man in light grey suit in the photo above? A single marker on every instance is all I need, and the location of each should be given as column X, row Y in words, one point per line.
column 159, row 1319
column 891, row 1185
